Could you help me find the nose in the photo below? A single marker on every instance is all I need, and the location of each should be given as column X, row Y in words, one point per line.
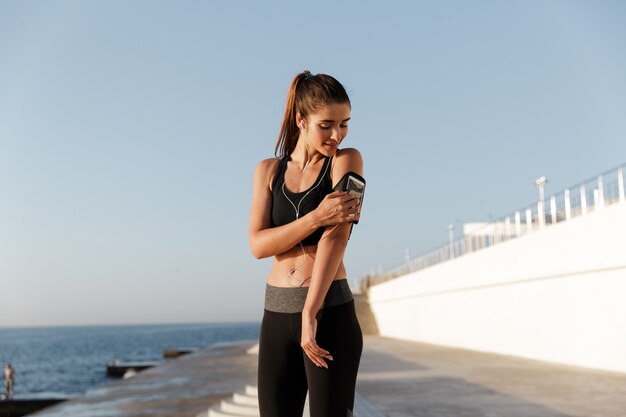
column 335, row 134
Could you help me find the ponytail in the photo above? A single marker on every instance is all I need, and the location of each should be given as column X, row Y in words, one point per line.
column 288, row 136
column 307, row 94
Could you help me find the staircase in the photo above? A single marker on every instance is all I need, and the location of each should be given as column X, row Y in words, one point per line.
column 242, row 404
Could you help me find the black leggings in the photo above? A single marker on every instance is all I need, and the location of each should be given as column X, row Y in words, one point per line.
column 285, row 372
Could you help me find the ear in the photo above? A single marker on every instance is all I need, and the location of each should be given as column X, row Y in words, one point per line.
column 300, row 121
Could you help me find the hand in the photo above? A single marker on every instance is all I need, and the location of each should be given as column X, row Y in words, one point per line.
column 308, row 343
column 338, row 207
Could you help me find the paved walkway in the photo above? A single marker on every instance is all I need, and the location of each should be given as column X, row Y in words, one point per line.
column 405, row 379
column 396, row 379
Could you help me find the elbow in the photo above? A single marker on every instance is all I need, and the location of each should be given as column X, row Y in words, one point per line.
column 257, row 251
column 258, row 254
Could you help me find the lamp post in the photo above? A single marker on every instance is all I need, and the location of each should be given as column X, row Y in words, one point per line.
column 540, row 183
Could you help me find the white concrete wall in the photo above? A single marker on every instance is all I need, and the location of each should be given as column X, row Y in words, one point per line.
column 557, row 295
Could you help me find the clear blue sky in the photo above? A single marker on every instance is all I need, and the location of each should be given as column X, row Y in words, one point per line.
column 129, row 132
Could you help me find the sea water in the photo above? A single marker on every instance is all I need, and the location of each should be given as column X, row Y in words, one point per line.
column 68, row 361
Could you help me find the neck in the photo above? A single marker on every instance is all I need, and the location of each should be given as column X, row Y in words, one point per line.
column 303, row 155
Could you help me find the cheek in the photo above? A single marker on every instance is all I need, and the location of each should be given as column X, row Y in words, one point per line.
column 322, row 133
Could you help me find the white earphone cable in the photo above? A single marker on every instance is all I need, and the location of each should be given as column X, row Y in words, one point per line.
column 296, row 268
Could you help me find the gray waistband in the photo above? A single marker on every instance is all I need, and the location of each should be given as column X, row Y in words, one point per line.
column 291, row 300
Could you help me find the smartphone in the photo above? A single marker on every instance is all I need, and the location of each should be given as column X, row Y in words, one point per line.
column 355, row 187
column 354, row 184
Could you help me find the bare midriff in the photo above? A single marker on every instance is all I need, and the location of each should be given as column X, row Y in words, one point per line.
column 299, row 266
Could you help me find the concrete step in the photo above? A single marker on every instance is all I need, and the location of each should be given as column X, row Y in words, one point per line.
column 241, row 409
column 243, row 404
column 239, row 398
column 254, row 350
column 252, row 390
column 216, row 411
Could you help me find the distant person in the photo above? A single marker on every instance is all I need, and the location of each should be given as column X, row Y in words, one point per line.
column 310, row 337
column 9, row 379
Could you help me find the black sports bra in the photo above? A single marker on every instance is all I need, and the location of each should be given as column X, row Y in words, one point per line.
column 284, row 209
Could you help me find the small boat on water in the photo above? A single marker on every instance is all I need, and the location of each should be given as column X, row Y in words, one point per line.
column 119, row 369
column 174, row 353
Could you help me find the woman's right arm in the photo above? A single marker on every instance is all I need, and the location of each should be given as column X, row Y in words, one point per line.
column 265, row 240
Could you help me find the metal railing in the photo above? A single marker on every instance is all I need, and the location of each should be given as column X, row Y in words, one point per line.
column 578, row 200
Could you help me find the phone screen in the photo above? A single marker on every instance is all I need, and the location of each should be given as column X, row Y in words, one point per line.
column 355, row 187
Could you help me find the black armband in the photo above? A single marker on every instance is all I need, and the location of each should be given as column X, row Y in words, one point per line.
column 354, row 184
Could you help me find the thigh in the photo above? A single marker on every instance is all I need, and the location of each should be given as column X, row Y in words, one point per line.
column 282, row 383
column 331, row 391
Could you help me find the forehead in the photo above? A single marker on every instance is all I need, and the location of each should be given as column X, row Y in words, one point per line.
column 334, row 111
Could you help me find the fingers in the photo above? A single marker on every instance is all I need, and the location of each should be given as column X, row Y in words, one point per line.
column 346, row 198
column 341, row 207
column 352, row 210
column 342, row 196
column 315, row 350
column 336, row 194
column 348, row 202
column 317, row 354
column 349, row 212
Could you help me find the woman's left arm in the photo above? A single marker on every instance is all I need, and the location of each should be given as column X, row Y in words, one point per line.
column 330, row 251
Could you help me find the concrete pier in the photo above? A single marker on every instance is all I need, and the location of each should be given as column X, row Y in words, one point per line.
column 19, row 408
column 180, row 387
column 397, row 379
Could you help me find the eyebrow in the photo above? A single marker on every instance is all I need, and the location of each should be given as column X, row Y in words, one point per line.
column 332, row 121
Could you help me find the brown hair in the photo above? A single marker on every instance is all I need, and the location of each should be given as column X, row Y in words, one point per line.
column 308, row 93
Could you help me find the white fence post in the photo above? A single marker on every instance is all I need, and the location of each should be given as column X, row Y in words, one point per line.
column 518, row 224
column 568, row 207
column 553, row 209
column 600, row 200
column 529, row 221
column 507, row 227
column 583, row 200
column 497, row 231
column 620, row 183
column 451, row 240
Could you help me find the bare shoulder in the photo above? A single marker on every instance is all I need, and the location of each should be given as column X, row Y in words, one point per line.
column 265, row 171
column 348, row 153
column 348, row 159
column 267, row 165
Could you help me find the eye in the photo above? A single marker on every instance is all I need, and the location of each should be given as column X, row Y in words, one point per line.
column 324, row 126
column 343, row 126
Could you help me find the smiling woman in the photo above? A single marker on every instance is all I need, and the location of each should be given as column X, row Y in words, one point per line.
column 298, row 219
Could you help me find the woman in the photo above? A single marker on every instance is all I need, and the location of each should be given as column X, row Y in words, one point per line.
column 310, row 337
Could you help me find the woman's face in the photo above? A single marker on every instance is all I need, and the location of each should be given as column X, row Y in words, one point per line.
column 325, row 129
